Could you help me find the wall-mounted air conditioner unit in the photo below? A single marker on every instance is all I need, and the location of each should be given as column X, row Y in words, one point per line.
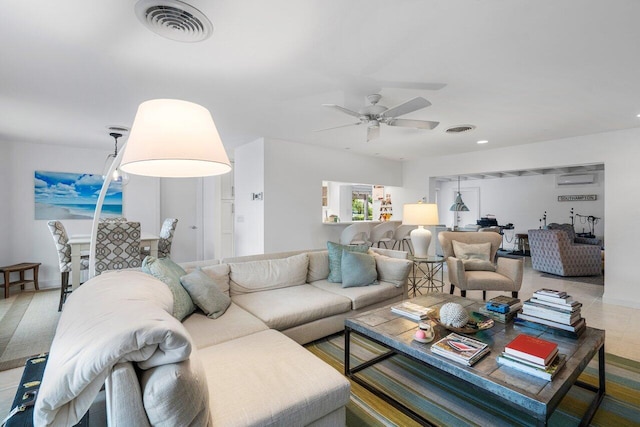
column 575, row 179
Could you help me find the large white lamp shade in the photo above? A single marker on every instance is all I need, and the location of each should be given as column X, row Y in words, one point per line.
column 174, row 139
column 420, row 214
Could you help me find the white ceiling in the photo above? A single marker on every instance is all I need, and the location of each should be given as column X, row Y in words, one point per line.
column 520, row 71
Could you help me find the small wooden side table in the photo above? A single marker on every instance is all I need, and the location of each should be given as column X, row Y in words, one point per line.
column 19, row 268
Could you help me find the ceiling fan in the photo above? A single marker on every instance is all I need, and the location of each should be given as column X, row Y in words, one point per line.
column 374, row 114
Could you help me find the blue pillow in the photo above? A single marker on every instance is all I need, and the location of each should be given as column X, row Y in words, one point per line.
column 358, row 270
column 169, row 272
column 335, row 259
column 205, row 293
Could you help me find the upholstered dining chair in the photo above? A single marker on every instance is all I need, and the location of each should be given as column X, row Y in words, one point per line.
column 470, row 258
column 61, row 239
column 117, row 246
column 166, row 238
column 356, row 234
column 382, row 233
column 114, row 219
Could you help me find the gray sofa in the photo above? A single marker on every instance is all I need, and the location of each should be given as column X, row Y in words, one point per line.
column 244, row 368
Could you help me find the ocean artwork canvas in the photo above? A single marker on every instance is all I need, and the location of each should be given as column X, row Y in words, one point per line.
column 63, row 195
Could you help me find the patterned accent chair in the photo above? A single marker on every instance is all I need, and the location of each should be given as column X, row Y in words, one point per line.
column 114, row 219
column 553, row 251
column 61, row 239
column 572, row 234
column 504, row 275
column 117, row 246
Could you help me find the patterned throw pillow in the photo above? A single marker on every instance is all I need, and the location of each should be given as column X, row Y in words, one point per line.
column 335, row 259
column 169, row 272
column 358, row 270
column 205, row 293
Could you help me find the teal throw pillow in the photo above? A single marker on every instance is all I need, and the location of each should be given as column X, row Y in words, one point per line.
column 358, row 269
column 169, row 272
column 205, row 293
column 335, row 259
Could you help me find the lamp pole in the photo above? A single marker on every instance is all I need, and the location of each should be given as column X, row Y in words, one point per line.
column 98, row 211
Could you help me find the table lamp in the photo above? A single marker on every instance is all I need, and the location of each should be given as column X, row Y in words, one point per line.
column 169, row 138
column 420, row 214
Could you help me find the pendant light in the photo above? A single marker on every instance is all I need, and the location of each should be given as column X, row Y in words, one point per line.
column 458, row 205
column 117, row 175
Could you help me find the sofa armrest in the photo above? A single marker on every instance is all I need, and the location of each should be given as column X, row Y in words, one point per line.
column 511, row 268
column 455, row 269
column 124, row 398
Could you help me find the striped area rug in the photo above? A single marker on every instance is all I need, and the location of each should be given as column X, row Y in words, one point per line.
column 434, row 397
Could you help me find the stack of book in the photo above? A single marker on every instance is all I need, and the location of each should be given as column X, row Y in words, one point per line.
column 411, row 310
column 554, row 309
column 533, row 356
column 501, row 308
column 460, row 348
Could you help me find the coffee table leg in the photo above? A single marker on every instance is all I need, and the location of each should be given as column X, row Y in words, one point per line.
column 600, row 390
column 347, row 351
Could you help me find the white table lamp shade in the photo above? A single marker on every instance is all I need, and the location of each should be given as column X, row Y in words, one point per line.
column 420, row 214
column 175, row 139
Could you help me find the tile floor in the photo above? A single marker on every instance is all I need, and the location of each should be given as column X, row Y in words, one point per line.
column 620, row 323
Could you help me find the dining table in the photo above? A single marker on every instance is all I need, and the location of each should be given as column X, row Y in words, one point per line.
column 82, row 243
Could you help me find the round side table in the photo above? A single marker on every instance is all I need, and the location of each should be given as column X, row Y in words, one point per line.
column 424, row 275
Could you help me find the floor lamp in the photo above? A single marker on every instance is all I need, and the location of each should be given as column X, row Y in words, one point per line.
column 169, row 138
column 420, row 214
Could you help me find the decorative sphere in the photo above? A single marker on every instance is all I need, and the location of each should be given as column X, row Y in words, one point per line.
column 453, row 314
column 420, row 334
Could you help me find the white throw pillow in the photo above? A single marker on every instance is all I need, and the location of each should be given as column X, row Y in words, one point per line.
column 392, row 270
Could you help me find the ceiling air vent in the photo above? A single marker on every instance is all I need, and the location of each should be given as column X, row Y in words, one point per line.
column 460, row 128
column 174, row 20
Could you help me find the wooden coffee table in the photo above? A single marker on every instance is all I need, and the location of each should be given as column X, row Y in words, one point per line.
column 533, row 396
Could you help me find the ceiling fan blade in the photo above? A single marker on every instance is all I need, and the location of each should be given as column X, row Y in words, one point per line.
column 344, row 110
column 418, row 124
column 336, row 127
column 407, row 107
column 373, row 132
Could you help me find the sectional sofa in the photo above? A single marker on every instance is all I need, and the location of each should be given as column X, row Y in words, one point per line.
column 245, row 367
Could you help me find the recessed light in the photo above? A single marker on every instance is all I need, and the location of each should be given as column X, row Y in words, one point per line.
column 483, row 141
column 637, row 115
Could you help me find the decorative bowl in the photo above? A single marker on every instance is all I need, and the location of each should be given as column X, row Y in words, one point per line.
column 477, row 322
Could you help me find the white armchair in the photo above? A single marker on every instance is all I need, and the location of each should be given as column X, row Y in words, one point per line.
column 469, row 274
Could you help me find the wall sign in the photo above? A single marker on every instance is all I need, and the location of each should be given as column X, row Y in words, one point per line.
column 578, row 198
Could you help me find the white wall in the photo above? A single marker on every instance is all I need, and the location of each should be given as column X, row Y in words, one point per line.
column 249, row 178
column 523, row 201
column 29, row 240
column 293, row 175
column 6, row 178
column 618, row 151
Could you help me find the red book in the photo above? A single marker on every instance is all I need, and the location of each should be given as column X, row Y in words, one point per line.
column 531, row 348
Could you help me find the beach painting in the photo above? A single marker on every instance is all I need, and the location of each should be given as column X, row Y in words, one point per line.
column 62, row 195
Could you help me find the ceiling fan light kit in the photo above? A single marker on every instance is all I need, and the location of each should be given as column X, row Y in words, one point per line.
column 373, row 115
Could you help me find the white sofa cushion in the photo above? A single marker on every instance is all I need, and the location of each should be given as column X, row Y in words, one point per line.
column 284, row 308
column 235, row 322
column 318, row 266
column 361, row 296
column 279, row 382
column 177, row 394
column 255, row 276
